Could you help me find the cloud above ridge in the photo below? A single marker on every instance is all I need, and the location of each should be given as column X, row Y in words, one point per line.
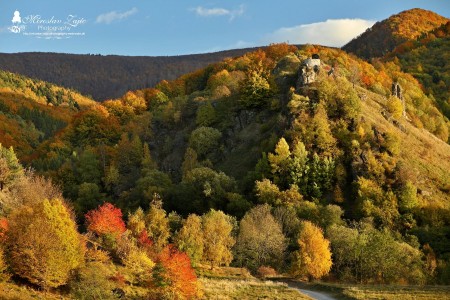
column 333, row 32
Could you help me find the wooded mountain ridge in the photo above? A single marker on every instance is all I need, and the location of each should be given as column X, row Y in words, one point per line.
column 108, row 76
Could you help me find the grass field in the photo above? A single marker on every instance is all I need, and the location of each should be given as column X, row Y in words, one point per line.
column 378, row 292
column 226, row 289
column 11, row 291
column 397, row 292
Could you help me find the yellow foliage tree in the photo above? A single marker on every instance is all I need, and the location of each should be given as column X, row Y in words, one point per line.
column 189, row 238
column 138, row 267
column 395, row 107
column 280, row 159
column 217, row 228
column 43, row 243
column 313, row 259
column 157, row 224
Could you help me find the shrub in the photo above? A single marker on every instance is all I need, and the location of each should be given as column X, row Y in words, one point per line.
column 395, row 107
column 139, row 267
column 93, row 282
column 265, row 272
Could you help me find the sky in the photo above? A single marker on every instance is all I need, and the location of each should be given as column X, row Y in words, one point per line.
column 169, row 27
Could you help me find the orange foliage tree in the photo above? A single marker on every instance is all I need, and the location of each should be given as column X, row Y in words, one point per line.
column 277, row 51
column 173, row 275
column 3, row 229
column 106, row 220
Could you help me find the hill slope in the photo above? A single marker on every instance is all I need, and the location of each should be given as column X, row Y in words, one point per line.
column 426, row 59
column 338, row 151
column 207, row 119
column 107, row 77
column 384, row 36
column 32, row 111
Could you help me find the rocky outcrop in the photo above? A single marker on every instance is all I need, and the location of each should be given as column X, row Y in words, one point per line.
column 309, row 69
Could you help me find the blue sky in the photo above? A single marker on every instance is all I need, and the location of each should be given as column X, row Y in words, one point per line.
column 157, row 27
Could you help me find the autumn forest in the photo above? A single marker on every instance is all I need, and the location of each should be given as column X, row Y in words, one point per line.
column 240, row 170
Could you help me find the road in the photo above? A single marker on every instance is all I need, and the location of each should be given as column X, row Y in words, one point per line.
column 315, row 295
column 303, row 288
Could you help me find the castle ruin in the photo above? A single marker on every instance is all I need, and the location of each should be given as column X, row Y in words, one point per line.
column 309, row 70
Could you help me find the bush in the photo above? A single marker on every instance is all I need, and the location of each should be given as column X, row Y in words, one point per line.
column 92, row 282
column 265, row 272
column 368, row 255
column 139, row 267
column 395, row 107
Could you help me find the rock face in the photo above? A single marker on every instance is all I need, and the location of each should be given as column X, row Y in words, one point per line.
column 309, row 70
column 397, row 92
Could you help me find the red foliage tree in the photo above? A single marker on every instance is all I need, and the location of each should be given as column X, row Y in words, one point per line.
column 174, row 274
column 3, row 229
column 144, row 240
column 106, row 220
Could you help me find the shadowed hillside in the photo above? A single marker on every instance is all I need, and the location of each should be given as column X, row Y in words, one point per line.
column 106, row 77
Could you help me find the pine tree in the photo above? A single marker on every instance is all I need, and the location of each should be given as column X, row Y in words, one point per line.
column 190, row 161
column 279, row 162
column 147, row 163
column 10, row 168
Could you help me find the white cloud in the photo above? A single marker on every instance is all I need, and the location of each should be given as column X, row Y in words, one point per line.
column 334, row 33
column 207, row 12
column 219, row 11
column 109, row 17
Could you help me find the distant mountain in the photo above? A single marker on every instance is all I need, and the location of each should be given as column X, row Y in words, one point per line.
column 384, row 36
column 107, row 77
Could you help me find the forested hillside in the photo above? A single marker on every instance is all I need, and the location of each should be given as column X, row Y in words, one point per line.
column 243, row 163
column 426, row 58
column 384, row 36
column 32, row 111
column 106, row 77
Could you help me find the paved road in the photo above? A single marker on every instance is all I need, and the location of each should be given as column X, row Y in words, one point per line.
column 303, row 288
column 315, row 295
